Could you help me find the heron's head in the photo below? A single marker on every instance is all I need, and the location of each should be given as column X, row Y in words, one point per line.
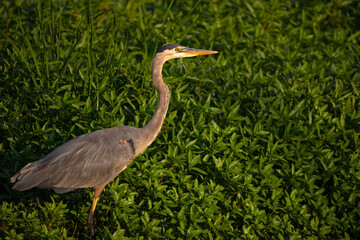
column 170, row 51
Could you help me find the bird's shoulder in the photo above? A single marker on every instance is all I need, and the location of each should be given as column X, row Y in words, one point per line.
column 109, row 143
column 107, row 136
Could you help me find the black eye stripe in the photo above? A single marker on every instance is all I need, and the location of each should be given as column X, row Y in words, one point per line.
column 167, row 46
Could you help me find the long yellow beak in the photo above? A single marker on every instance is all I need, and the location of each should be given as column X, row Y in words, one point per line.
column 195, row 52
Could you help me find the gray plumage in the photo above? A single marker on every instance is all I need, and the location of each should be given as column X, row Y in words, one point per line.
column 95, row 159
column 89, row 160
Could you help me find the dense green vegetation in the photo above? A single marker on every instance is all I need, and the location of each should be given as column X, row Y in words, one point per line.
column 260, row 141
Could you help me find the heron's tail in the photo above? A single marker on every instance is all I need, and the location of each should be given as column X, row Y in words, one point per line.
column 29, row 177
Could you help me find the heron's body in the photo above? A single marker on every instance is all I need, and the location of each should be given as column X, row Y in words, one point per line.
column 95, row 159
column 90, row 160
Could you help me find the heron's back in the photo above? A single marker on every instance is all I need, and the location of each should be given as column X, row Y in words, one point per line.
column 89, row 160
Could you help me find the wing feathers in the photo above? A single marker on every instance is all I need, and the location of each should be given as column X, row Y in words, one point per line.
column 90, row 160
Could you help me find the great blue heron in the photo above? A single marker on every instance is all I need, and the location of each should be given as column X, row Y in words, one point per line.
column 95, row 159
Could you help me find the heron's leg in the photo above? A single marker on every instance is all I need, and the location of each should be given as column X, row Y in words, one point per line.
column 36, row 197
column 98, row 191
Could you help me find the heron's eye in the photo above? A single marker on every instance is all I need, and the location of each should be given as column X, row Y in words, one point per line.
column 177, row 49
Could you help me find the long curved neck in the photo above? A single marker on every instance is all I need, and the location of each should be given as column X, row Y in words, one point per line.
column 153, row 127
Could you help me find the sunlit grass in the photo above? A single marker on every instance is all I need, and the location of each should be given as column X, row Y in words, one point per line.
column 260, row 141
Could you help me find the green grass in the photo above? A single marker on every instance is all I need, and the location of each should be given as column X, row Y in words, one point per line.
column 260, row 141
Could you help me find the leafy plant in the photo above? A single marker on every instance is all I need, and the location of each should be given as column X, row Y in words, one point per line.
column 260, row 141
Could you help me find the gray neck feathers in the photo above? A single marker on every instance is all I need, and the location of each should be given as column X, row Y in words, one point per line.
column 153, row 127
